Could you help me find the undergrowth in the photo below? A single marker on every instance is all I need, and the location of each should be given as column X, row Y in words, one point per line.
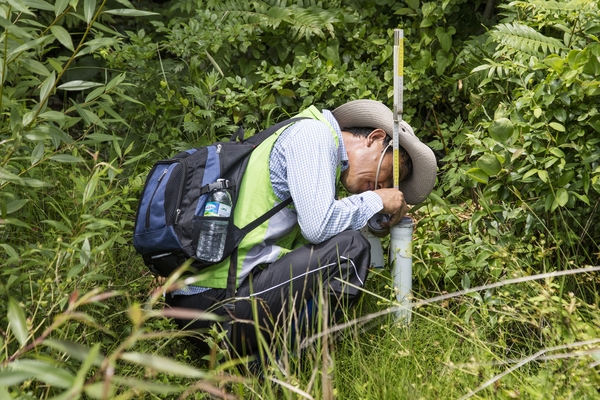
column 505, row 250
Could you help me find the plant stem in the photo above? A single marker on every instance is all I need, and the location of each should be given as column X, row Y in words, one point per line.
column 71, row 59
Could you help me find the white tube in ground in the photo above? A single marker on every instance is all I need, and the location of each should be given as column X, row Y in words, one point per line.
column 401, row 260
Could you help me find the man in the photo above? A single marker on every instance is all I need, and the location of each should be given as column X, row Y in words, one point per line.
column 312, row 248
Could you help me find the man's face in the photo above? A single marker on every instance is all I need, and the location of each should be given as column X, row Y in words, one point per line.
column 363, row 161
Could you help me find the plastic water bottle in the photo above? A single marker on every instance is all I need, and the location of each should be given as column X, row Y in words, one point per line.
column 213, row 232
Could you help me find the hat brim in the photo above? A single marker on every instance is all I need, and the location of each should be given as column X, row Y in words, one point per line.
column 373, row 114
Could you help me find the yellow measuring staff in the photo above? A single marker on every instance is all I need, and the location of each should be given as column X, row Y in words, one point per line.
column 398, row 87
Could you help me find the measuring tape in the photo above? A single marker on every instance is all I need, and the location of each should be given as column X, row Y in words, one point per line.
column 398, row 100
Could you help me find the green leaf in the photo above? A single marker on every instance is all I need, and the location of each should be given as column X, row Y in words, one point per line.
column 15, row 205
column 78, row 85
column 557, row 152
column 47, row 87
column 52, row 116
column 19, row 6
column 565, row 178
column 89, row 6
column 126, row 12
column 11, row 377
column 16, row 321
column 95, row 44
column 9, row 176
column 72, row 349
column 557, row 126
column 444, row 38
column 442, row 61
column 147, row 386
column 581, row 197
column 85, row 253
column 39, row 5
column 66, row 158
column 163, row 364
column 478, row 175
column 562, row 197
column 489, row 164
column 128, row 98
column 101, row 224
column 466, row 281
column 115, row 82
column 37, row 153
column 126, row 3
column 414, row 4
column 35, row 66
column 422, row 61
column 100, row 390
column 58, row 225
column 35, row 183
column 60, row 6
column 101, row 137
column 63, row 36
column 501, row 129
column 3, row 392
column 594, row 122
column 46, row 372
column 17, row 222
column 137, row 158
column 287, row 92
column 543, row 175
column 404, row 11
column 90, row 188
column 88, row 362
column 26, row 46
column 12, row 253
column 94, row 94
column 428, row 8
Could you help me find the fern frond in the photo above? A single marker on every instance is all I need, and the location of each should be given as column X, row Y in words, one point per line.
column 551, row 5
column 302, row 21
column 519, row 38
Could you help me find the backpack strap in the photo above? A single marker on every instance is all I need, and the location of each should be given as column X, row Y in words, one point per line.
column 258, row 221
column 233, row 259
column 261, row 136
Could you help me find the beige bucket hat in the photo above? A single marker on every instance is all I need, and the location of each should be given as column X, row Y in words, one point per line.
column 374, row 114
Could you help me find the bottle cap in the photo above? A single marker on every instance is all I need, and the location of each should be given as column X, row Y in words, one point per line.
column 375, row 222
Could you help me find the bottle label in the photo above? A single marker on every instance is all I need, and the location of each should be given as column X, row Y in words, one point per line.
column 216, row 209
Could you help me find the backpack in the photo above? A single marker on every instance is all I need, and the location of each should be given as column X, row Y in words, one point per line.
column 172, row 203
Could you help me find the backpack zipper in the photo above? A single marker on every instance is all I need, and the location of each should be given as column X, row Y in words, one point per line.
column 183, row 163
column 160, row 178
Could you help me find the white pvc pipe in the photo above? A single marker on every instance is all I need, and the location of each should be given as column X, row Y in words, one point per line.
column 401, row 262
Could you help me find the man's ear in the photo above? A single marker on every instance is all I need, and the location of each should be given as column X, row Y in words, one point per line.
column 375, row 136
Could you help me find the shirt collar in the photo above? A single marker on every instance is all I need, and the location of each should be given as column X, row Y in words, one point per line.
column 343, row 156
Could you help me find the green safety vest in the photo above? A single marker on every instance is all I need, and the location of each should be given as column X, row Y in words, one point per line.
column 256, row 197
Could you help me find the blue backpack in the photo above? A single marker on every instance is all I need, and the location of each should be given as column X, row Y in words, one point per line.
column 172, row 203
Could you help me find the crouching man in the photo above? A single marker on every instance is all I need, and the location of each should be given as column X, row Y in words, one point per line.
column 314, row 244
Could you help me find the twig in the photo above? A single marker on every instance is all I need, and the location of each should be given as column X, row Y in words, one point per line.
column 435, row 299
column 523, row 362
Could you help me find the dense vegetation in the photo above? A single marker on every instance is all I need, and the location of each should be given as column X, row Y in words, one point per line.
column 94, row 91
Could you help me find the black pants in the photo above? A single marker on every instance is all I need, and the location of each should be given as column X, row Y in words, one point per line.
column 288, row 290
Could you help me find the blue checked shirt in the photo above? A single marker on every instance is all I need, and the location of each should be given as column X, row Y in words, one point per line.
column 303, row 165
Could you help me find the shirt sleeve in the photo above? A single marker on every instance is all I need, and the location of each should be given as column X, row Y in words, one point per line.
column 312, row 157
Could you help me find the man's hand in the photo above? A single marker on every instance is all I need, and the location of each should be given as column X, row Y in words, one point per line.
column 393, row 204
